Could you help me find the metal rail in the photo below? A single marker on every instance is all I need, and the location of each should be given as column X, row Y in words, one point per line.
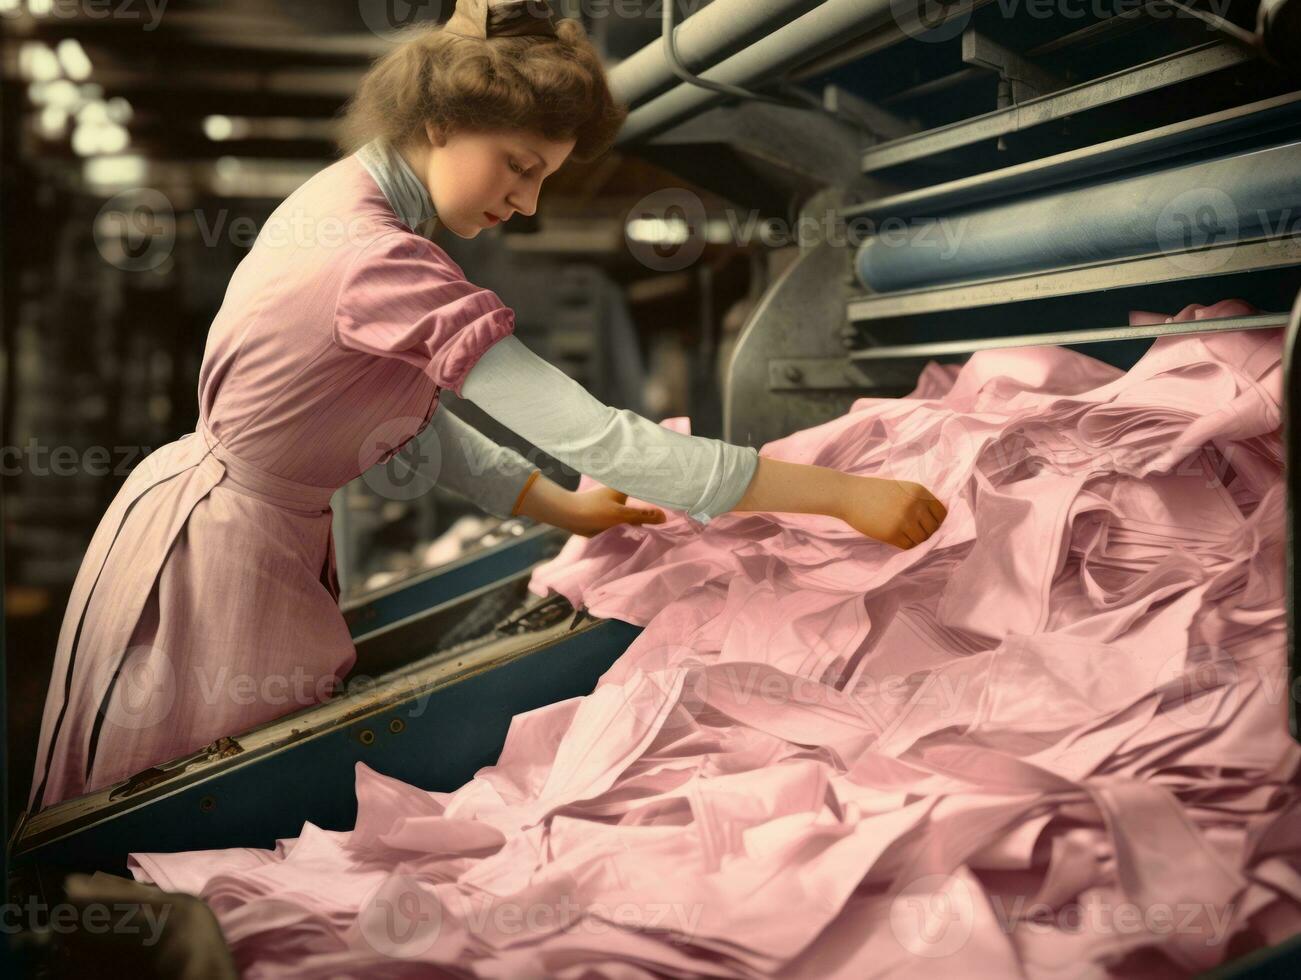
column 1247, row 255
column 1093, row 335
column 863, row 367
column 1092, row 161
column 1149, row 76
column 1292, row 480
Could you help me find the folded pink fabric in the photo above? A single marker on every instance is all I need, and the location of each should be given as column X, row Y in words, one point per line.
column 1051, row 741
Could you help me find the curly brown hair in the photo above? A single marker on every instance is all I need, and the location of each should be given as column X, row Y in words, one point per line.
column 552, row 86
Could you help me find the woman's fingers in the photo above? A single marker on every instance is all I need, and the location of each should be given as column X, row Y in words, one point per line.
column 639, row 515
column 928, row 523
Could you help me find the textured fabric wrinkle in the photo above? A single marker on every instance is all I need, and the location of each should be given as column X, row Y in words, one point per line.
column 74, row 619
column 154, row 541
column 260, row 483
column 230, row 438
column 1021, row 692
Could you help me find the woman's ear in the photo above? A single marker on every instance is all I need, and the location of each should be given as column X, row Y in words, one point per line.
column 433, row 135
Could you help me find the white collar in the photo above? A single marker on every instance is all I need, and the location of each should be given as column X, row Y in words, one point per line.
column 406, row 195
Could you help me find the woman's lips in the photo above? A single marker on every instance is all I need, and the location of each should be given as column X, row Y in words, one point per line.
column 492, row 218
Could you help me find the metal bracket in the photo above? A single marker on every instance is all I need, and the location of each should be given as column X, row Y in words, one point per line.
column 1292, row 486
column 1025, row 79
column 841, row 374
column 880, row 124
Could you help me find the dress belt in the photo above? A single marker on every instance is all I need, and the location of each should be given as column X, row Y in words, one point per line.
column 257, row 482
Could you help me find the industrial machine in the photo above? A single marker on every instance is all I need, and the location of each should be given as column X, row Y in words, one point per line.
column 1145, row 158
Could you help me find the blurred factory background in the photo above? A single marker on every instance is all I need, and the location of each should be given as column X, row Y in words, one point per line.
column 143, row 146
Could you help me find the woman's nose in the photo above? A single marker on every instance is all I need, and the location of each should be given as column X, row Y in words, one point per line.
column 525, row 202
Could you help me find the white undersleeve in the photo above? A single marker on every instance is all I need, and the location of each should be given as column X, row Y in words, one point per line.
column 703, row 477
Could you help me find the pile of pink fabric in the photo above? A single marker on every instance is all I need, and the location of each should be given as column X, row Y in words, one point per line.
column 1051, row 741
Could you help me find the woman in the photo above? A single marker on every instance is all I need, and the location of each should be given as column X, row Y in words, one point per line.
column 207, row 602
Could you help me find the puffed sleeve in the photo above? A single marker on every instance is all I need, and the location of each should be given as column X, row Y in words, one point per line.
column 402, row 296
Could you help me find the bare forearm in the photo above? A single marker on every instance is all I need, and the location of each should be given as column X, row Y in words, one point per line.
column 796, row 488
column 544, row 501
column 898, row 512
column 777, row 486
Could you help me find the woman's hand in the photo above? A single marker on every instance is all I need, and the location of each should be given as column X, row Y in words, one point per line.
column 587, row 513
column 897, row 512
column 592, row 511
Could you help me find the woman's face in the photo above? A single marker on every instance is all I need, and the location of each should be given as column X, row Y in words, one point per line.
column 476, row 176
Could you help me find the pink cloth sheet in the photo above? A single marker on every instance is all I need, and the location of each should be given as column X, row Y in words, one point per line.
column 1051, row 741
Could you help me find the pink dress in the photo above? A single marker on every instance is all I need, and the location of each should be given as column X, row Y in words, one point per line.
column 207, row 602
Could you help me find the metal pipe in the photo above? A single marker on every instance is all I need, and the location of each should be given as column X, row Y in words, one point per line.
column 669, row 37
column 1292, row 479
column 713, row 32
column 809, row 35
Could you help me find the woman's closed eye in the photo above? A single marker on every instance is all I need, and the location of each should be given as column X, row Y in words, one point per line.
column 517, row 168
